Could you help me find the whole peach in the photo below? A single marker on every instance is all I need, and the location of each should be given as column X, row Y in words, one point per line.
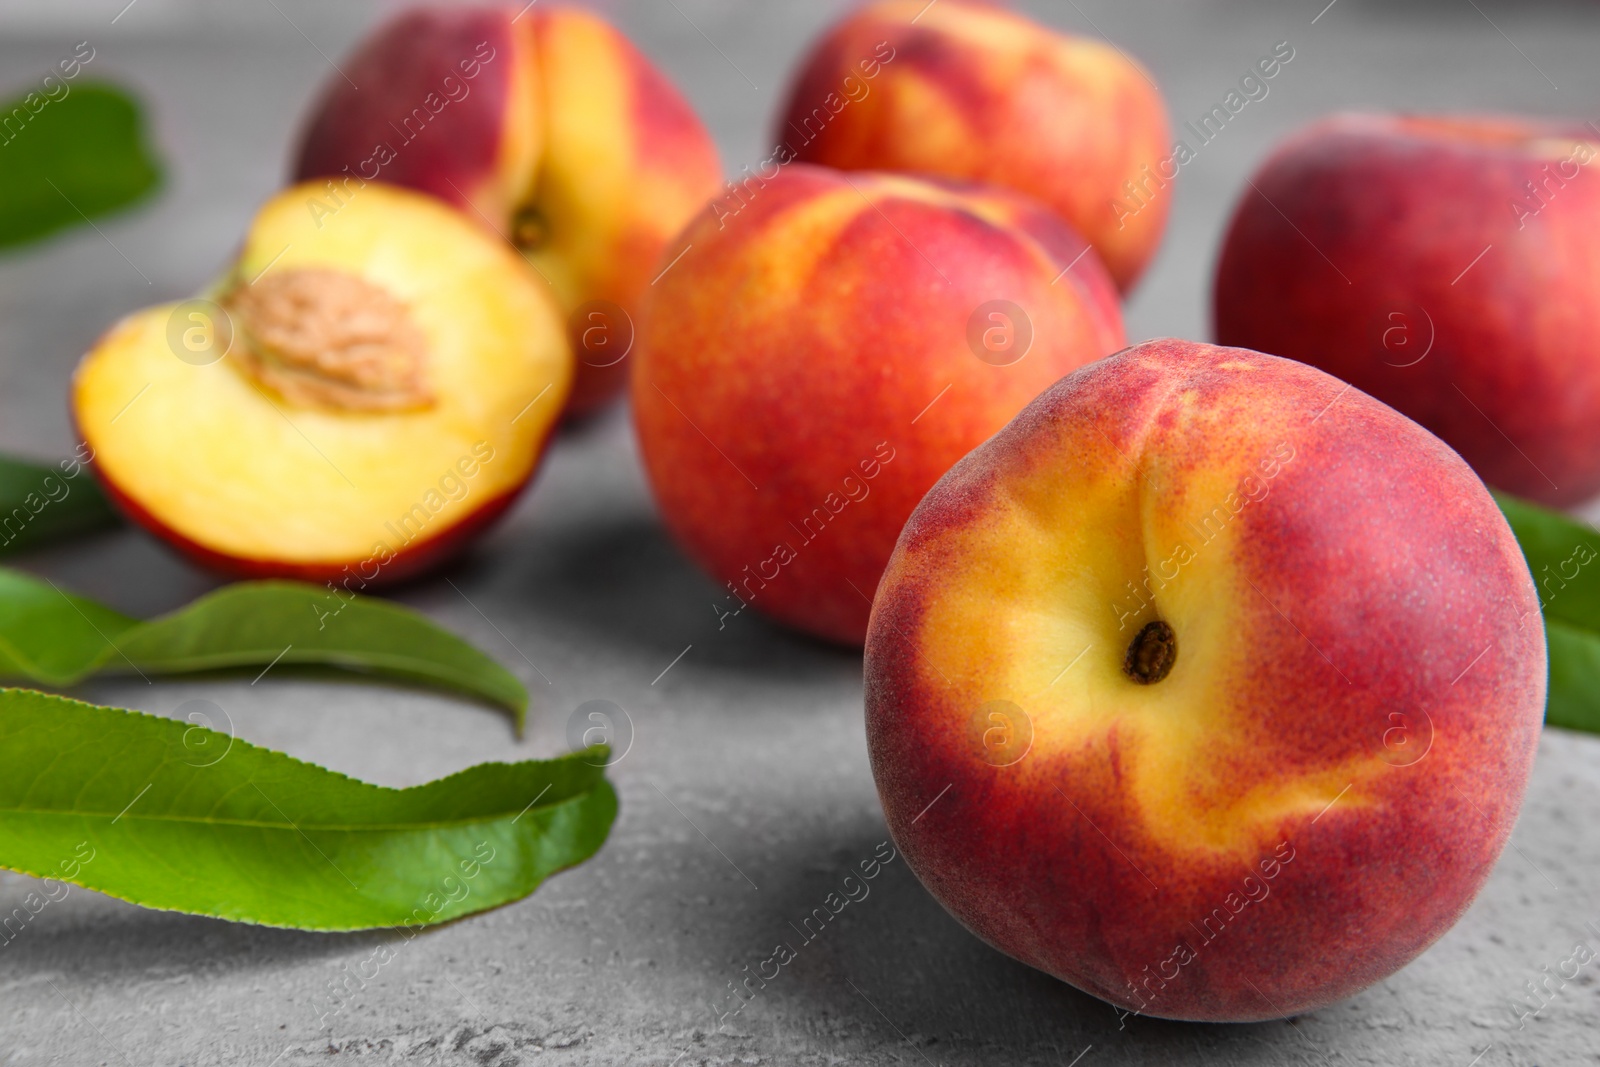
column 812, row 364
column 1210, row 685
column 546, row 124
column 1448, row 267
column 970, row 90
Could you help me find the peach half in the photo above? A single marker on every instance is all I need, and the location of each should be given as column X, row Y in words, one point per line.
column 1209, row 685
column 547, row 125
column 355, row 396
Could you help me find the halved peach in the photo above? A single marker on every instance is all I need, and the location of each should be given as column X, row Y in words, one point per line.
column 547, row 125
column 356, row 395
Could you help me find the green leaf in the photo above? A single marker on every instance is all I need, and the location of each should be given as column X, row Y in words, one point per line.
column 1564, row 557
column 48, row 635
column 1574, row 677
column 68, row 160
column 53, row 638
column 46, row 504
column 123, row 803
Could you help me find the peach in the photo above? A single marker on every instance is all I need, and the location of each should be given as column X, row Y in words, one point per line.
column 816, row 361
column 357, row 396
column 546, row 124
column 1448, row 267
column 970, row 90
column 1209, row 685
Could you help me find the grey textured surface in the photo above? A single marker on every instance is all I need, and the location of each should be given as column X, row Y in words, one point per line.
column 746, row 792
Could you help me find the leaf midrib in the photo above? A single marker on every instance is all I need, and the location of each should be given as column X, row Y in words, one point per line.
column 249, row 657
column 259, row 824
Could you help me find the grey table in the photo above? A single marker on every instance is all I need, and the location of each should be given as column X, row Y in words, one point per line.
column 746, row 792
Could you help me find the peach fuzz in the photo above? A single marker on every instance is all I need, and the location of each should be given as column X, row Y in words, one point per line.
column 1210, row 685
column 1447, row 266
column 547, row 125
column 970, row 90
column 813, row 365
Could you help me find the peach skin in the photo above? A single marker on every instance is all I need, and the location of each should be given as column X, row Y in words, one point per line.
column 549, row 127
column 1210, row 685
column 970, row 90
column 1447, row 266
column 815, row 362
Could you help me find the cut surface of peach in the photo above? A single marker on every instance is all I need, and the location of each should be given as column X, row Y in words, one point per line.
column 359, row 388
